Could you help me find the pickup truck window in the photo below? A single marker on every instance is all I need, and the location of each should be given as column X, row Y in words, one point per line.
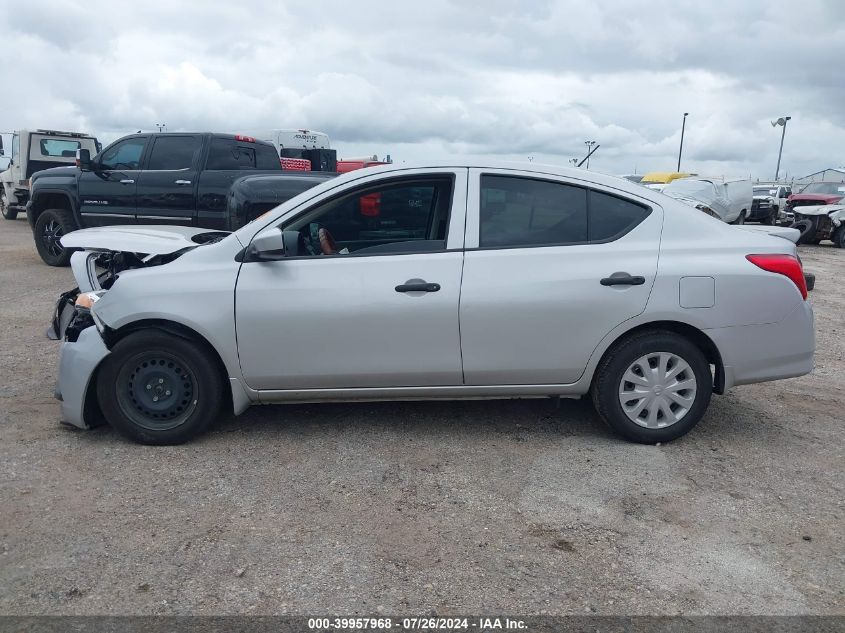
column 124, row 155
column 228, row 154
column 174, row 152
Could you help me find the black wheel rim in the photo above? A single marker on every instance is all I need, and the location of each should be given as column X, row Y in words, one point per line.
column 51, row 236
column 156, row 390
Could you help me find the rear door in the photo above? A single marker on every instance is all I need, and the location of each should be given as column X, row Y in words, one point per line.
column 533, row 302
column 167, row 186
column 107, row 193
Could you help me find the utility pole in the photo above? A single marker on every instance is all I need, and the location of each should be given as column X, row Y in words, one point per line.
column 781, row 121
column 681, row 149
column 589, row 145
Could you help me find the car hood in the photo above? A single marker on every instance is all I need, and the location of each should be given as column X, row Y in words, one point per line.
column 823, row 198
column 66, row 170
column 149, row 240
column 777, row 231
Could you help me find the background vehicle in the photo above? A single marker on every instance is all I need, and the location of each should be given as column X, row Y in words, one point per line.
column 815, row 194
column 769, row 203
column 170, row 178
column 729, row 200
column 441, row 290
column 252, row 196
column 657, row 180
column 350, row 164
column 821, row 222
column 307, row 145
column 32, row 151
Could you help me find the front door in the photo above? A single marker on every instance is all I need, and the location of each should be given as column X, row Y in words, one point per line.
column 107, row 193
column 535, row 299
column 370, row 300
column 167, row 186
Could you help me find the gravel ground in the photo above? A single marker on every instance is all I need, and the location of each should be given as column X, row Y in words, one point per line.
column 405, row 508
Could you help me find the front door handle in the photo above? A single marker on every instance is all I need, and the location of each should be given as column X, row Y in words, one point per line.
column 417, row 285
column 127, row 181
column 182, row 182
column 623, row 279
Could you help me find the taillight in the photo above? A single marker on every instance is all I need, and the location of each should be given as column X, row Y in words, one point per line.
column 244, row 139
column 787, row 265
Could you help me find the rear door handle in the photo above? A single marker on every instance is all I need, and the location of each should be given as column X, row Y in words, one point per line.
column 415, row 285
column 182, row 182
column 127, row 181
column 623, row 279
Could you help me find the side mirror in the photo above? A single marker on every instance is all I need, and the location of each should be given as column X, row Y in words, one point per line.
column 83, row 159
column 272, row 246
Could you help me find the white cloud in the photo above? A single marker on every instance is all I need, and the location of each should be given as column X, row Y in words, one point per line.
column 432, row 79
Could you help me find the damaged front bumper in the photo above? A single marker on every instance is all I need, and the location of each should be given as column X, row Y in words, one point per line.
column 78, row 360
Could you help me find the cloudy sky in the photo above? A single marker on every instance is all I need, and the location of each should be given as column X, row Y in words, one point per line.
column 440, row 78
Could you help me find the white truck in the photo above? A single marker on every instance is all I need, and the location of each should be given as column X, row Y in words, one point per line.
column 32, row 151
column 308, row 145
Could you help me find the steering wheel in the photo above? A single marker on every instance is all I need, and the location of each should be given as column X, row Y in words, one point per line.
column 327, row 244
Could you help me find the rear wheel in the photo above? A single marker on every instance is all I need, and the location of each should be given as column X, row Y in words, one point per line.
column 157, row 388
column 50, row 227
column 652, row 387
column 8, row 213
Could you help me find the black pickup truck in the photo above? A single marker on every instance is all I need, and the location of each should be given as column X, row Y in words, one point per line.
column 165, row 178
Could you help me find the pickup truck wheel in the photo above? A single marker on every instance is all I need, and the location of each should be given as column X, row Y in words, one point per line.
column 652, row 387
column 741, row 218
column 157, row 388
column 8, row 213
column 771, row 219
column 838, row 237
column 50, row 226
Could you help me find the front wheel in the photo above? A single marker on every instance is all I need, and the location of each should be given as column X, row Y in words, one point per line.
column 9, row 214
column 157, row 388
column 741, row 218
column 838, row 237
column 50, row 227
column 652, row 387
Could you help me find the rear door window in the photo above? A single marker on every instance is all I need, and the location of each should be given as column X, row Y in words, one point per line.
column 527, row 212
column 521, row 212
column 171, row 153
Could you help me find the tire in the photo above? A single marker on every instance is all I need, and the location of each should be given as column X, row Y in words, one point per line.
column 838, row 237
column 807, row 228
column 50, row 226
column 9, row 214
column 157, row 388
column 740, row 219
column 810, row 280
column 772, row 218
column 608, row 385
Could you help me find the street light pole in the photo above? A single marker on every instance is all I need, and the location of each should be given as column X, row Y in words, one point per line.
column 681, row 149
column 589, row 145
column 781, row 121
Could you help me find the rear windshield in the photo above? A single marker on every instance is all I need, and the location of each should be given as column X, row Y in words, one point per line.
column 58, row 147
column 230, row 154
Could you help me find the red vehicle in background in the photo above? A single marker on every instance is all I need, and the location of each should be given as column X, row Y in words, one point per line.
column 815, row 194
column 351, row 164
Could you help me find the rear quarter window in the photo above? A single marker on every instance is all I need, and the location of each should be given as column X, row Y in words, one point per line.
column 612, row 217
column 229, row 154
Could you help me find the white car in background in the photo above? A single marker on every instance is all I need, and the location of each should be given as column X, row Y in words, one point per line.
column 478, row 280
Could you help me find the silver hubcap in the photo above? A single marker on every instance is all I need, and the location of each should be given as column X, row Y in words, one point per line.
column 657, row 390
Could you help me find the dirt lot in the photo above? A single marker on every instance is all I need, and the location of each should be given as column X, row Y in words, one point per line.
column 512, row 507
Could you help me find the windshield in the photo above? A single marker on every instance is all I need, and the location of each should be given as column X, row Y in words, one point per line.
column 764, row 191
column 689, row 187
column 825, row 188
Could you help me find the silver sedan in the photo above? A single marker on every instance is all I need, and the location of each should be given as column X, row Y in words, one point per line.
column 432, row 281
